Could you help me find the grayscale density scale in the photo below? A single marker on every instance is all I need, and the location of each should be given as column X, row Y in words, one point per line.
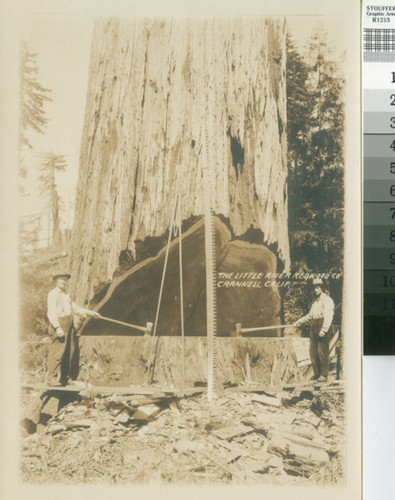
column 378, row 129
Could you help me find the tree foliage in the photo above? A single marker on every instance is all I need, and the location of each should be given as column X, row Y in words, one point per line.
column 29, row 233
column 50, row 164
column 33, row 97
column 315, row 118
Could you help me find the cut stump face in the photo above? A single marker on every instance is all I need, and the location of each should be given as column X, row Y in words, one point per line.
column 242, row 296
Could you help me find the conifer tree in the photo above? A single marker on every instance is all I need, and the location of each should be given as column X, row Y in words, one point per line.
column 315, row 123
column 33, row 97
column 315, row 117
column 50, row 164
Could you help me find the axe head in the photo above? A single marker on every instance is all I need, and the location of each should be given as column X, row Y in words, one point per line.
column 148, row 329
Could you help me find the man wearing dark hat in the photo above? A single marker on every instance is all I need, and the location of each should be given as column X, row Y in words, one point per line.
column 320, row 318
column 63, row 355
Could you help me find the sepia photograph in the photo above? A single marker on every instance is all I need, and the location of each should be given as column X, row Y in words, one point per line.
column 183, row 250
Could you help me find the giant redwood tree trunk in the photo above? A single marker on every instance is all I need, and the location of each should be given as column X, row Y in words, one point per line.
column 167, row 98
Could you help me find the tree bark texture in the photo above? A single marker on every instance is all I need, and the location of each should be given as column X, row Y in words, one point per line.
column 124, row 361
column 165, row 100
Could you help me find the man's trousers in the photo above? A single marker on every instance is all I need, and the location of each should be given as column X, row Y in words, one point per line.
column 63, row 354
column 319, row 348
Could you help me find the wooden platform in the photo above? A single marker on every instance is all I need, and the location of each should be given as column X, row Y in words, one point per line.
column 107, row 390
column 52, row 388
column 315, row 385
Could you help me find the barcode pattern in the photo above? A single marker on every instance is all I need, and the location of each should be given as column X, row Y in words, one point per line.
column 378, row 40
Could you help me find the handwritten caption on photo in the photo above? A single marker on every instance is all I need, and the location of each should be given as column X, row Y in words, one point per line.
column 259, row 280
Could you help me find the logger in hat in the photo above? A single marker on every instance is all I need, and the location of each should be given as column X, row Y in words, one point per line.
column 320, row 318
column 63, row 355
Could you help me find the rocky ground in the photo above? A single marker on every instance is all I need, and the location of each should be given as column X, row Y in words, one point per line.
column 244, row 436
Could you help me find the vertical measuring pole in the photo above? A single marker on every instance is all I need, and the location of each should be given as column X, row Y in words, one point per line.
column 211, row 305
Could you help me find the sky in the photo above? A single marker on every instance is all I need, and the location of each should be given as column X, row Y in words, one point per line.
column 62, row 43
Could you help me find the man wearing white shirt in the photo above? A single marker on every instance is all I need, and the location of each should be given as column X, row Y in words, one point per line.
column 63, row 355
column 320, row 318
